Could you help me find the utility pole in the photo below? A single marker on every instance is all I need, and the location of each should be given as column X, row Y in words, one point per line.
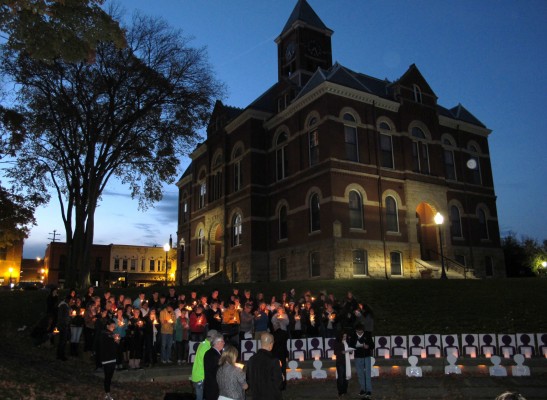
column 54, row 234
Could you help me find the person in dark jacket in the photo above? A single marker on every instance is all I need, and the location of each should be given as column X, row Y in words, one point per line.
column 63, row 325
column 363, row 344
column 343, row 366
column 264, row 373
column 109, row 350
column 210, row 367
column 279, row 350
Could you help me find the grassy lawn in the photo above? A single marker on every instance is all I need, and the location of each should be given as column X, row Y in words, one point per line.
column 401, row 307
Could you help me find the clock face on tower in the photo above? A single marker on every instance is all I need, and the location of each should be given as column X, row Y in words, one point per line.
column 290, row 51
column 314, row 49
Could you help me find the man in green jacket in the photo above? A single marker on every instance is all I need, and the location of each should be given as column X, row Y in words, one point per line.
column 198, row 371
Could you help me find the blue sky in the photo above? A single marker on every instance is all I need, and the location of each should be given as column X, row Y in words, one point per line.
column 489, row 55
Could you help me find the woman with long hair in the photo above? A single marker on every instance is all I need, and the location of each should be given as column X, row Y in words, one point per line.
column 230, row 378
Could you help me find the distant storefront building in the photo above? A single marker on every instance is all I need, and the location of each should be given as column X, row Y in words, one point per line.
column 10, row 263
column 115, row 265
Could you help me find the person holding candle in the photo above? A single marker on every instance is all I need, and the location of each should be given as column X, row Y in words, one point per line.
column 135, row 339
column 343, row 367
column 230, row 378
column 167, row 320
column 198, row 324
column 363, row 344
column 150, row 334
column 76, row 325
column 182, row 334
column 261, row 321
column 109, row 349
column 121, row 330
column 230, row 327
column 246, row 325
column 214, row 316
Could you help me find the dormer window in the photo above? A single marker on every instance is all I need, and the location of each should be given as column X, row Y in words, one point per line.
column 417, row 94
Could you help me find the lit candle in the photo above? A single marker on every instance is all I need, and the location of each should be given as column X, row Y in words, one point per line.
column 545, row 352
column 386, row 355
column 239, row 365
column 301, row 358
column 527, row 353
column 438, row 354
column 73, row 313
column 473, row 354
column 316, row 358
column 333, row 357
column 55, row 331
column 199, row 321
column 506, row 353
column 423, row 353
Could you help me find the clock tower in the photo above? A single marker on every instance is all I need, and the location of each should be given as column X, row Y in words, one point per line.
column 303, row 46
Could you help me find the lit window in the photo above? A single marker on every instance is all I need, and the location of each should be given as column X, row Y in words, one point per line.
column 236, row 230
column 200, row 245
column 420, row 152
column 350, row 138
column 396, row 265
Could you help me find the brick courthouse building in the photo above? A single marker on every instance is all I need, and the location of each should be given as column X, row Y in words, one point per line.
column 335, row 174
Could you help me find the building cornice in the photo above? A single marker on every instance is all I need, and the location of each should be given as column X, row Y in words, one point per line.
column 337, row 90
column 246, row 115
column 199, row 151
column 463, row 126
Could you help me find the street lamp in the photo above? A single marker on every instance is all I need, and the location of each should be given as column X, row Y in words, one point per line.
column 166, row 247
column 181, row 264
column 439, row 219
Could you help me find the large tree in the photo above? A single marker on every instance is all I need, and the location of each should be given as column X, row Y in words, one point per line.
column 130, row 115
column 51, row 29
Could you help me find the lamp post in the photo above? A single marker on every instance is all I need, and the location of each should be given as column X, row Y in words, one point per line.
column 182, row 249
column 439, row 219
column 166, row 247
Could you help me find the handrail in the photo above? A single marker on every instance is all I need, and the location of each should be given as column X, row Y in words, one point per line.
column 421, row 264
column 457, row 266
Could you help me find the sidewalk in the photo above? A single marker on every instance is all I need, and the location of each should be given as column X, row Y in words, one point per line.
column 474, row 383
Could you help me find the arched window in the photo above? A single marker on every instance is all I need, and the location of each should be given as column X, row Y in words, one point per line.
column 455, row 222
column 417, row 94
column 420, row 152
column 281, row 156
column 392, row 218
column 449, row 163
column 315, row 220
column 237, row 169
column 216, row 184
column 386, row 146
column 483, row 223
column 283, row 234
column 200, row 244
column 474, row 165
column 202, row 194
column 313, row 140
column 236, row 230
column 396, row 263
column 350, row 137
column 355, row 210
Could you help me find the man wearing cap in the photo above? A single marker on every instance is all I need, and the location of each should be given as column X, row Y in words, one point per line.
column 198, row 370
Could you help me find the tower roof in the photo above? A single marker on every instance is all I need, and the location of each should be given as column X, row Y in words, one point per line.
column 304, row 13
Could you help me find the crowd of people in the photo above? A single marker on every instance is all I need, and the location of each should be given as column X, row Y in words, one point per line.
column 125, row 333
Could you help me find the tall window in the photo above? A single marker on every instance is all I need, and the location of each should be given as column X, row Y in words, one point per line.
column 116, row 264
column 124, row 264
column 386, row 151
column 281, row 156
column 184, row 210
column 282, row 267
column 483, row 223
column 360, row 262
column 216, row 190
column 473, row 164
column 237, row 169
column 315, row 264
column 420, row 152
column 142, row 264
column 396, row 263
column 417, row 94
column 236, row 230
column 350, row 137
column 313, row 138
column 200, row 244
column 152, row 266
column 455, row 222
column 283, row 232
column 355, row 210
column 202, row 194
column 315, row 220
column 392, row 219
column 449, row 164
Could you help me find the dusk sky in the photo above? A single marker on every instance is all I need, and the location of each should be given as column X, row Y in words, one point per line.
column 488, row 55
